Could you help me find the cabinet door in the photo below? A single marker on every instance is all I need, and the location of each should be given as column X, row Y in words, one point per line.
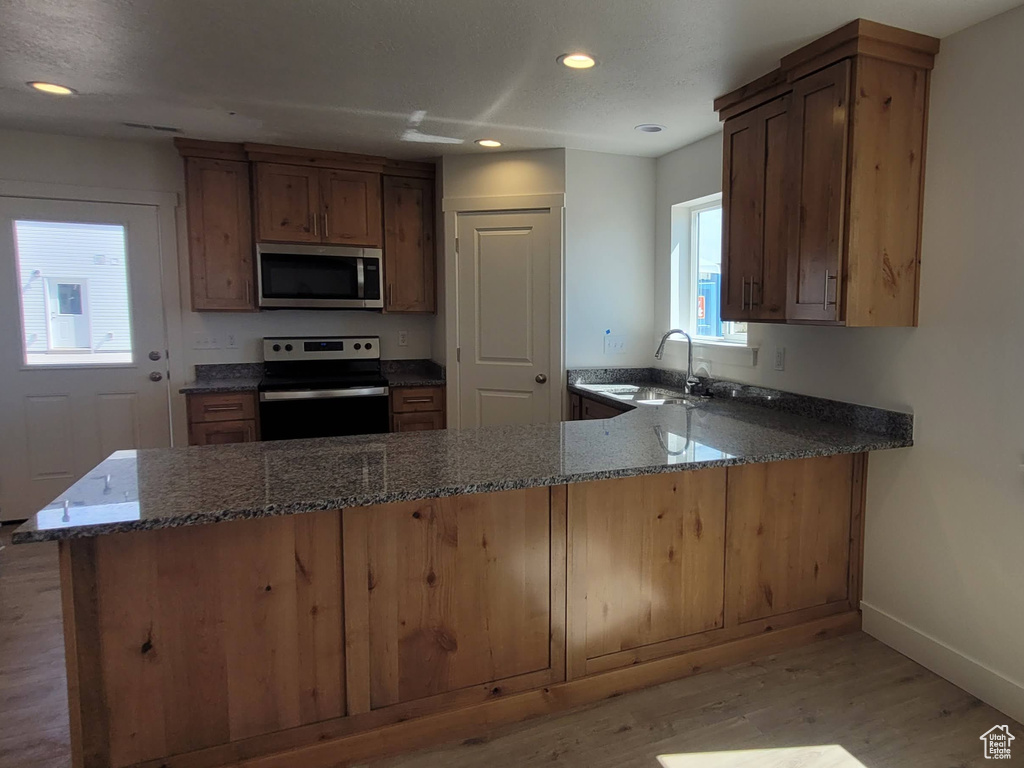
column 788, row 537
column 409, row 260
column 646, row 565
column 219, row 234
column 417, row 422
column 445, row 597
column 591, row 409
column 288, row 203
column 820, row 127
column 767, row 292
column 351, row 208
column 742, row 211
column 222, row 432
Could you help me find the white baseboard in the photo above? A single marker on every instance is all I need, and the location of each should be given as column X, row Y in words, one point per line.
column 970, row 674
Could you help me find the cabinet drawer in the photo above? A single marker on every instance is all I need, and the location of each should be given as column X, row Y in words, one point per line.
column 222, row 432
column 221, row 406
column 417, row 422
column 415, row 399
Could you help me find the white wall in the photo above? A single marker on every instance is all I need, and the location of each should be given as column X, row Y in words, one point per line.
column 944, row 559
column 153, row 166
column 609, row 257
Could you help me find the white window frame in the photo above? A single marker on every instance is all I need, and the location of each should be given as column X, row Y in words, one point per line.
column 693, row 211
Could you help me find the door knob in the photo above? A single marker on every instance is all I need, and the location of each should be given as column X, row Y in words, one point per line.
column 541, row 378
column 154, row 355
column 156, row 376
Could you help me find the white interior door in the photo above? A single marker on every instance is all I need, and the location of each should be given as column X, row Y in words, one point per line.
column 81, row 318
column 505, row 318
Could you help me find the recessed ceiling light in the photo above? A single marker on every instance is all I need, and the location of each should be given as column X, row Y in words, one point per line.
column 488, row 143
column 576, row 60
column 52, row 88
column 649, row 128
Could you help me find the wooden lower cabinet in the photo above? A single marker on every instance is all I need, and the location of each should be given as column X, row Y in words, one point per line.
column 327, row 638
column 456, row 593
column 788, row 536
column 583, row 408
column 220, row 418
column 187, row 638
column 646, row 561
column 417, row 409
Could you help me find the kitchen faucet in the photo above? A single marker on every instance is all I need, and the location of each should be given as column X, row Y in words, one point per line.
column 691, row 380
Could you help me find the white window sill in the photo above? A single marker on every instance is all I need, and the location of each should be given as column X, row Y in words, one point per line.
column 711, row 351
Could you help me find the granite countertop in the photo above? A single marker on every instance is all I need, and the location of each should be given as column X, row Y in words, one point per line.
column 161, row 488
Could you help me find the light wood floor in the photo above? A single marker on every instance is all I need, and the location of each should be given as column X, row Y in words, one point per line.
column 880, row 709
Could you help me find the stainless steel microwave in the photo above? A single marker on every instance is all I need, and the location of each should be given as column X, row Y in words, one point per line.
column 319, row 277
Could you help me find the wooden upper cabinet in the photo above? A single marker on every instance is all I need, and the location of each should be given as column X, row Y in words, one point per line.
column 756, row 209
column 304, row 204
column 409, row 258
column 823, row 174
column 288, row 203
column 351, row 208
column 219, row 234
column 819, row 161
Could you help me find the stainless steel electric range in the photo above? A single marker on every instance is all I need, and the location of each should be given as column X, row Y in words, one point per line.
column 322, row 386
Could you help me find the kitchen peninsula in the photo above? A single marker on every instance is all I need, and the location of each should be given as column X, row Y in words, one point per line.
column 321, row 602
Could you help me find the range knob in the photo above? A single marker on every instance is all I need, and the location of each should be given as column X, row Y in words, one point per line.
column 277, row 347
column 287, row 347
column 369, row 345
column 358, row 346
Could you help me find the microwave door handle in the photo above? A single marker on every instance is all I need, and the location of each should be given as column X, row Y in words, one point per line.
column 360, row 280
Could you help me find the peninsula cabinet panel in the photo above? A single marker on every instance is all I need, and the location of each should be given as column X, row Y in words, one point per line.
column 288, row 203
column 820, row 130
column 409, row 260
column 352, row 208
column 220, row 247
column 646, row 562
column 444, row 595
column 188, row 638
column 789, row 536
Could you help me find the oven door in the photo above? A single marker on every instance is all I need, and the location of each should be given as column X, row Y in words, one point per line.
column 318, row 277
column 294, row 414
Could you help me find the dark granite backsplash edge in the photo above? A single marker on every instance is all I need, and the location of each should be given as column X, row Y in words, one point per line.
column 878, row 421
column 221, row 371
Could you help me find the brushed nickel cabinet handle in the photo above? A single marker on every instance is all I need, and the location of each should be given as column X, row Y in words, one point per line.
column 219, row 408
column 327, row 231
column 315, row 218
column 824, row 301
column 743, row 295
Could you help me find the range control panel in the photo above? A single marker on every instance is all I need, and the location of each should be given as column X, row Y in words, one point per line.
column 280, row 348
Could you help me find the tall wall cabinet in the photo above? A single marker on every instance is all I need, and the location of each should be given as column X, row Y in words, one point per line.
column 241, row 194
column 823, row 172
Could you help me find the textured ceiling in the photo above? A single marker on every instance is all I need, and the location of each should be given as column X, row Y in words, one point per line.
column 360, row 75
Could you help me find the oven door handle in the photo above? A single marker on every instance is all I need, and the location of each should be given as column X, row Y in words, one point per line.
column 322, row 394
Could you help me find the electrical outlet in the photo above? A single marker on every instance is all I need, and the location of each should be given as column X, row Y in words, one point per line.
column 614, row 345
column 201, row 341
column 780, row 358
column 214, row 341
column 230, row 341
column 403, row 338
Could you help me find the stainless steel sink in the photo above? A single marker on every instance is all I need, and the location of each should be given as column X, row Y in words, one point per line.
column 630, row 393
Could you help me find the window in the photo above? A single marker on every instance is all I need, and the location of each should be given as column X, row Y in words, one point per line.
column 74, row 293
column 697, row 272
